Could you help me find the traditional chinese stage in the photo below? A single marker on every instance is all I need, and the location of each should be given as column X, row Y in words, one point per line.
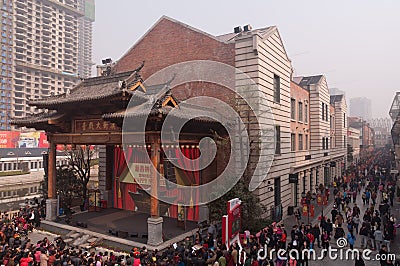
column 127, row 222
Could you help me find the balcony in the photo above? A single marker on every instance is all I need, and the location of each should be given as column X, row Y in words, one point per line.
column 46, row 8
column 21, row 16
column 46, row 49
column 46, row 31
column 20, row 24
column 20, row 8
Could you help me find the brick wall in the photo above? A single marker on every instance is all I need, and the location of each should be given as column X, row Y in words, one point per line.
column 170, row 42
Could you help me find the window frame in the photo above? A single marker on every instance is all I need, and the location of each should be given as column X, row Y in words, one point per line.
column 277, row 139
column 292, row 108
column 300, row 111
column 305, row 113
column 292, row 142
column 277, row 88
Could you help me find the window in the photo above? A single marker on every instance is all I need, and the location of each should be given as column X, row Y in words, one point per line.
column 306, row 113
column 277, row 88
column 306, row 141
column 344, row 120
column 292, row 108
column 327, row 113
column 300, row 142
column 323, row 143
column 344, row 141
column 300, row 111
column 326, row 143
column 293, row 142
column 323, row 110
column 277, row 191
column 277, row 139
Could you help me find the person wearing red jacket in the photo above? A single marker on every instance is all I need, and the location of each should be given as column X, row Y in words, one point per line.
column 311, row 239
column 25, row 260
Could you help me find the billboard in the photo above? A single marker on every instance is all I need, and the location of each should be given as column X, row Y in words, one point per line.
column 9, row 139
column 29, row 140
column 43, row 143
column 16, row 139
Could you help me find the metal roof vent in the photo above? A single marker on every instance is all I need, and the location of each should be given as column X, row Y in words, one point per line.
column 237, row 29
column 247, row 27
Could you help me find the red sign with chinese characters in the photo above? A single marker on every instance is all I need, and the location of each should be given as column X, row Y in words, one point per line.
column 231, row 223
column 94, row 125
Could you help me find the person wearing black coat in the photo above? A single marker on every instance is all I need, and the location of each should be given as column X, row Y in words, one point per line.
column 359, row 261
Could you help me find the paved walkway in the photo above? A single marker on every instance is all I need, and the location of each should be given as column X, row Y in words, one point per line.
column 290, row 221
column 395, row 245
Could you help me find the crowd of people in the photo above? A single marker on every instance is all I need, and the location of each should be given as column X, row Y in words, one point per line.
column 372, row 222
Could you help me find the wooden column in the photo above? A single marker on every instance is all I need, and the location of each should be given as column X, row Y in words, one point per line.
column 155, row 159
column 51, row 192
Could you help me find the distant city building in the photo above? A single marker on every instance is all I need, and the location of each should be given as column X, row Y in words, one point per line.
column 361, row 107
column 382, row 128
column 45, row 47
column 353, row 136
column 336, row 91
column 366, row 131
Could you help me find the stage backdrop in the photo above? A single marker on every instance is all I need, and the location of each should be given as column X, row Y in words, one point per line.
column 139, row 177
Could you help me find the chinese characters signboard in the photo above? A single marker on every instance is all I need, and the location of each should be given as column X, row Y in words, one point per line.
column 94, row 125
column 140, row 173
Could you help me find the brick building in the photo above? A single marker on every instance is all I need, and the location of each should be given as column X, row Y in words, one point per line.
column 303, row 127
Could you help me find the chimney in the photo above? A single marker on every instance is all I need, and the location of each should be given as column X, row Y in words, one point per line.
column 247, row 27
column 237, row 29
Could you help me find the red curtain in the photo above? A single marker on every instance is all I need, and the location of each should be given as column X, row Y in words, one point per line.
column 192, row 176
column 119, row 167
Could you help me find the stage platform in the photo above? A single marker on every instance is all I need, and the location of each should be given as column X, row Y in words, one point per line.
column 133, row 227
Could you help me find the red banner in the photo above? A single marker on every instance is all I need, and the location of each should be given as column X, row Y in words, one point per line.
column 43, row 143
column 319, row 199
column 305, row 210
column 312, row 210
column 325, row 200
column 9, row 139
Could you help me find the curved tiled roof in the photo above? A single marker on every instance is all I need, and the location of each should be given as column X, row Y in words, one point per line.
column 93, row 89
column 182, row 111
column 41, row 117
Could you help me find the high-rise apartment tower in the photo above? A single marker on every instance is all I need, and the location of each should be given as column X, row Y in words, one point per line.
column 46, row 46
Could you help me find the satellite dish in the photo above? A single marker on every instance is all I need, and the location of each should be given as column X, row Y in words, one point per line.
column 68, row 92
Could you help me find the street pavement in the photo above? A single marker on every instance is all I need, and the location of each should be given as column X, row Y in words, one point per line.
column 290, row 221
column 395, row 245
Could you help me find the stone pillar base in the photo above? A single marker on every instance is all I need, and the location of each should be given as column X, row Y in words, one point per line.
column 51, row 209
column 154, row 231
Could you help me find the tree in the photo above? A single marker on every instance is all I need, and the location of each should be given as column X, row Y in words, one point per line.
column 251, row 208
column 80, row 160
column 68, row 186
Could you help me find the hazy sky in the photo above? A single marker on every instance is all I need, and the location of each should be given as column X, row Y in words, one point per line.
column 354, row 43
